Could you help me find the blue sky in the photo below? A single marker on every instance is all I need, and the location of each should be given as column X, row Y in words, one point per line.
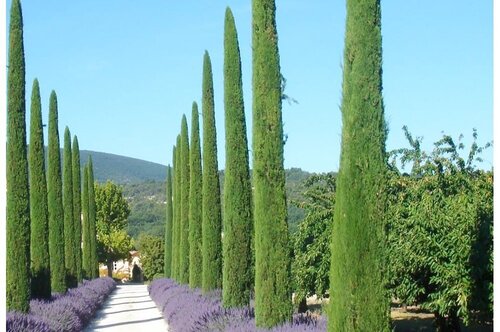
column 125, row 72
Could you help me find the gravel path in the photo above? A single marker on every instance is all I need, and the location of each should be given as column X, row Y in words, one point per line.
column 128, row 308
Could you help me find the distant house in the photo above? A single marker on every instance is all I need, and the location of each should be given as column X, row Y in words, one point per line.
column 123, row 269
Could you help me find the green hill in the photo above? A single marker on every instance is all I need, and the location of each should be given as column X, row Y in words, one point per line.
column 143, row 184
column 120, row 169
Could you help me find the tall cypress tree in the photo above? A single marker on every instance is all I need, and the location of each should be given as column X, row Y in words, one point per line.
column 94, row 267
column 178, row 209
column 237, row 269
column 272, row 263
column 56, row 212
column 77, row 208
column 212, row 221
column 18, row 205
column 195, row 201
column 85, row 225
column 184, row 244
column 357, row 287
column 173, row 267
column 69, row 229
column 167, row 269
column 40, row 264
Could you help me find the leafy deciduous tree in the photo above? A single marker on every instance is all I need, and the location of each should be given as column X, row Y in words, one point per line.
column 112, row 211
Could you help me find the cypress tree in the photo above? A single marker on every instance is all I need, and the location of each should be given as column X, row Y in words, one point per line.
column 18, row 205
column 85, row 225
column 237, row 271
column 94, row 267
column 184, row 242
column 56, row 212
column 357, row 287
column 77, row 208
column 177, row 208
column 69, row 229
column 40, row 264
column 173, row 271
column 212, row 221
column 195, row 201
column 272, row 263
column 167, row 270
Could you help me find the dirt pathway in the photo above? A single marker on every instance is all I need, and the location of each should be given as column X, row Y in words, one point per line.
column 128, row 308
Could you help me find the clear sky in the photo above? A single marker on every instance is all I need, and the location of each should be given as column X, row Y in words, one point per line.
column 126, row 71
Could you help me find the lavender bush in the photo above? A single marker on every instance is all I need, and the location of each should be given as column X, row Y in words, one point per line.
column 69, row 312
column 186, row 310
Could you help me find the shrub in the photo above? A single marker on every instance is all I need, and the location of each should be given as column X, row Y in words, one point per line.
column 188, row 309
column 25, row 322
column 69, row 312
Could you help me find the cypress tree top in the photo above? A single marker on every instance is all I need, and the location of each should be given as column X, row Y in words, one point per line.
column 85, row 225
column 272, row 263
column 184, row 244
column 69, row 229
column 168, row 226
column 77, row 208
column 94, row 267
column 56, row 212
column 359, row 301
column 237, row 273
column 40, row 266
column 212, row 221
column 18, row 208
column 195, row 203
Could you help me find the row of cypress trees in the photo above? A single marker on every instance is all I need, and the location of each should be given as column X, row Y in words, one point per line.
column 199, row 248
column 359, row 301
column 43, row 213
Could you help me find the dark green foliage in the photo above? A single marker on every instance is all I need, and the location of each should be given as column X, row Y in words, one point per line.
column 56, row 212
column 94, row 267
column 311, row 242
column 358, row 296
column 40, row 264
column 147, row 207
column 211, row 206
column 237, row 271
column 195, row 203
column 174, row 213
column 85, row 225
column 18, row 204
column 440, row 240
column 77, row 208
column 69, row 229
column 112, row 211
column 152, row 254
column 184, row 245
column 272, row 252
column 168, row 228
column 177, row 210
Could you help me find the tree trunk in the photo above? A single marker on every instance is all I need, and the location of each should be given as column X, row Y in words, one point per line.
column 109, row 263
column 302, row 305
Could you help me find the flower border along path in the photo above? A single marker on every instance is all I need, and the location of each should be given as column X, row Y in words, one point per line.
column 129, row 308
column 68, row 312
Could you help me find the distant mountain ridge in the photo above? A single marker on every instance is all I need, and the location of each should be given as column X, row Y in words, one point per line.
column 121, row 169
